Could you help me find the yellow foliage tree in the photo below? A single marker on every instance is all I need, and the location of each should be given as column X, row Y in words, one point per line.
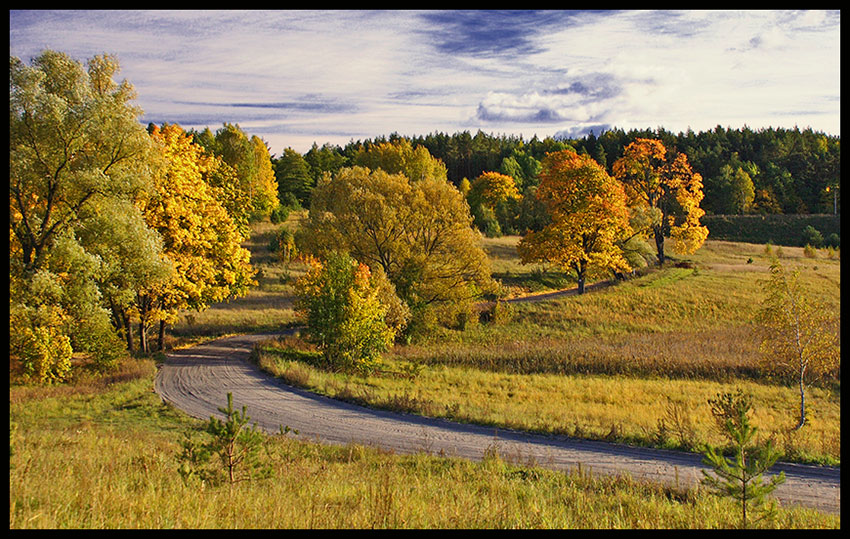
column 800, row 336
column 588, row 217
column 491, row 188
column 199, row 236
column 400, row 157
column 666, row 193
column 419, row 233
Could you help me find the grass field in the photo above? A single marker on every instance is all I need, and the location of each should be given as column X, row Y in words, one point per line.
column 636, row 363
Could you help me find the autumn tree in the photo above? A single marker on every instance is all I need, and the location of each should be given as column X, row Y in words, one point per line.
column 400, row 157
column 800, row 336
column 344, row 314
column 588, row 216
column 419, row 233
column 77, row 154
column 199, row 236
column 668, row 191
column 250, row 159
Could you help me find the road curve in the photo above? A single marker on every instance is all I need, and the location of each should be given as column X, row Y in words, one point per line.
column 197, row 380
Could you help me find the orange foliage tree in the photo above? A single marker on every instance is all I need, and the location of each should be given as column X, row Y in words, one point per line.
column 665, row 194
column 588, row 217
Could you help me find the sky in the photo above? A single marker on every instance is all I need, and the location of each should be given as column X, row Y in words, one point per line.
column 295, row 78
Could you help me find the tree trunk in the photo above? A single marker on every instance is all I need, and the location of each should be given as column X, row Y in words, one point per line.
column 802, row 407
column 143, row 341
column 659, row 246
column 128, row 331
column 161, row 338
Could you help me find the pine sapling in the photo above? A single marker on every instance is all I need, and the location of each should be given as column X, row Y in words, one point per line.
column 740, row 477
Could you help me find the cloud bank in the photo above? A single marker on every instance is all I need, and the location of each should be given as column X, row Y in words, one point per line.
column 299, row 77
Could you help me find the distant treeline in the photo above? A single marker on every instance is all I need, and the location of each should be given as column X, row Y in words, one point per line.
column 745, row 171
column 789, row 230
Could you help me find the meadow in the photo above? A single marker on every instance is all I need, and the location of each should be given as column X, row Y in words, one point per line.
column 635, row 362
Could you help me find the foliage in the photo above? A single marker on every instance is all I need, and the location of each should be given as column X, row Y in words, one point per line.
column 589, row 216
column 199, row 236
column 77, row 156
column 740, row 477
column 293, row 175
column 254, row 177
column 812, row 236
column 419, row 233
column 669, row 192
column 776, row 229
column 400, row 157
column 283, row 244
column 799, row 336
column 344, row 314
column 236, row 444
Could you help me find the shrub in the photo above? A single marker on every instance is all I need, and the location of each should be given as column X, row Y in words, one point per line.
column 833, row 240
column 809, row 251
column 234, row 442
column 812, row 236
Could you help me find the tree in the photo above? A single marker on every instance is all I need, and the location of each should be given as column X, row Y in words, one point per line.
column 419, row 233
column 250, row 159
column 293, row 176
column 493, row 199
column 671, row 190
column 199, row 236
column 74, row 142
column 77, row 154
column 492, row 188
column 400, row 157
column 588, row 216
column 344, row 314
column 740, row 477
column 800, row 336
column 234, row 441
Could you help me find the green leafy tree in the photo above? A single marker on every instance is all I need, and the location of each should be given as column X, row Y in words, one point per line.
column 799, row 334
column 419, row 233
column 77, row 153
column 344, row 314
column 740, row 477
column 293, row 176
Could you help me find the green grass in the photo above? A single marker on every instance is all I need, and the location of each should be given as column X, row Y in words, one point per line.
column 105, row 457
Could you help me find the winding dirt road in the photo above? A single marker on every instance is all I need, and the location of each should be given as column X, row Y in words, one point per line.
column 197, row 380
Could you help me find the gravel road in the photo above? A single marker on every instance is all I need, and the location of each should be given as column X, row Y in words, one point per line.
column 197, row 380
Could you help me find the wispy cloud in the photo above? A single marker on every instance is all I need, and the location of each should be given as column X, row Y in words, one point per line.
column 298, row 77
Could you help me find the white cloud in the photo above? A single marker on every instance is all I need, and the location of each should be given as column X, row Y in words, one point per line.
column 341, row 75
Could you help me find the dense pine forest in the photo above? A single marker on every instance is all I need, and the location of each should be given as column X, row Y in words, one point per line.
column 744, row 171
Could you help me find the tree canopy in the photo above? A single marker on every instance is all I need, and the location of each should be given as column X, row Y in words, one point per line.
column 419, row 233
column 588, row 217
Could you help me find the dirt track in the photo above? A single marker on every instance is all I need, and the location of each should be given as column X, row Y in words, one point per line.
column 197, row 380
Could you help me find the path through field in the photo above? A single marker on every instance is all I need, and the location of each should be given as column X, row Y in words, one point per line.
column 197, row 380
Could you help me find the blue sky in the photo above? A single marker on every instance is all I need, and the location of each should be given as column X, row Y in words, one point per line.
column 298, row 77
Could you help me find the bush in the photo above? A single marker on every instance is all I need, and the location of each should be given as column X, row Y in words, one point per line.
column 812, row 236
column 833, row 240
column 279, row 214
